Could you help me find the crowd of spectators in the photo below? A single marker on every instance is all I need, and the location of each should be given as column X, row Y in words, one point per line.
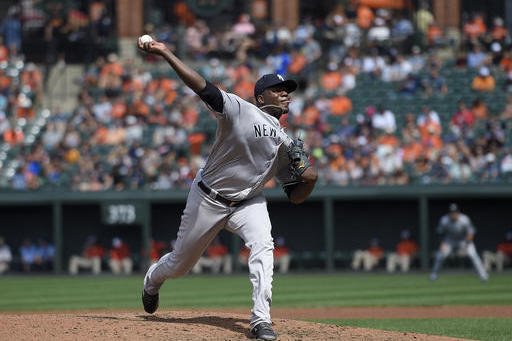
column 63, row 31
column 137, row 126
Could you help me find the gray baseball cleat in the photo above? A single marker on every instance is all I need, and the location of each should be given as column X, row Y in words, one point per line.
column 150, row 302
column 263, row 331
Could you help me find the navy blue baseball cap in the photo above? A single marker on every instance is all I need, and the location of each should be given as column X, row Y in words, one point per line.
column 273, row 79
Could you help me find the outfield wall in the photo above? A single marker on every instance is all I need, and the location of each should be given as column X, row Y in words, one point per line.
column 322, row 232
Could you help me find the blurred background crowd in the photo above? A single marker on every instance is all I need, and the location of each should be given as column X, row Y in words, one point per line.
column 386, row 96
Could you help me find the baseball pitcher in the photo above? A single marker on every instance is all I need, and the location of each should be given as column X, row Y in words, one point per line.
column 250, row 148
column 458, row 234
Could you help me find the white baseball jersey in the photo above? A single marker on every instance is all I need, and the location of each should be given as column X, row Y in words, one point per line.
column 249, row 150
column 455, row 230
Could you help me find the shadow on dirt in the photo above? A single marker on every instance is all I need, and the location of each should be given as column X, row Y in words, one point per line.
column 237, row 325
column 229, row 323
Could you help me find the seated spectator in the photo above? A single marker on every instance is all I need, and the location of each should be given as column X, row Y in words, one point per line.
column 402, row 29
column 410, row 85
column 28, row 253
column 282, row 255
column 365, row 17
column 484, row 81
column 384, row 120
column 244, row 26
column 120, row 257
column 462, row 120
column 412, row 150
column 427, row 115
column 13, row 136
column 45, row 254
column 349, row 79
column 502, row 256
column 369, row 258
column 474, row 28
column 405, row 251
column 435, row 34
column 397, row 70
column 476, row 58
column 435, row 84
column 216, row 257
column 90, row 258
column 5, row 256
column 331, row 79
column 380, row 32
column 340, row 105
column 429, row 125
column 479, row 109
column 373, row 64
column 499, row 32
column 410, row 129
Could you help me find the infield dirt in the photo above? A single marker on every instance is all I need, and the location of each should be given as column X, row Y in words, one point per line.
column 175, row 325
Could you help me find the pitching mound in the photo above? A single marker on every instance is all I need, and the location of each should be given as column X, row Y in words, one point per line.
column 174, row 325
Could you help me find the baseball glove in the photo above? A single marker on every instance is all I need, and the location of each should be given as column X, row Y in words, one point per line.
column 299, row 160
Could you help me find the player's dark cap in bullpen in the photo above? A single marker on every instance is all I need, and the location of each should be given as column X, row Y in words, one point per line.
column 272, row 79
column 453, row 207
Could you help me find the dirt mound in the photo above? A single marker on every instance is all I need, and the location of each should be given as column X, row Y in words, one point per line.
column 174, row 325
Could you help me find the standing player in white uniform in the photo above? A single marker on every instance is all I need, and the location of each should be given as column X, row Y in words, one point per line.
column 458, row 234
column 250, row 148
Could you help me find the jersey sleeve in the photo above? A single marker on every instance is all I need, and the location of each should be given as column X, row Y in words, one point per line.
column 212, row 96
column 224, row 104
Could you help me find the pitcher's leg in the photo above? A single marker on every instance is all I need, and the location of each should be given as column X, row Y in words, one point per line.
column 252, row 223
column 201, row 221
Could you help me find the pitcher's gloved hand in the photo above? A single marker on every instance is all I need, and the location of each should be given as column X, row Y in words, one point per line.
column 299, row 160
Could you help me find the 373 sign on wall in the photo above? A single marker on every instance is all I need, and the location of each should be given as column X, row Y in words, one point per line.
column 121, row 213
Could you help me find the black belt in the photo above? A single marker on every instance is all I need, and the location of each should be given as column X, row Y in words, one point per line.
column 215, row 196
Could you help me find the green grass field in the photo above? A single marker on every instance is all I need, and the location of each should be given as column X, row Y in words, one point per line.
column 42, row 293
column 496, row 329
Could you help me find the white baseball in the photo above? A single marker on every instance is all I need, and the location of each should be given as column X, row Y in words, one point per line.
column 146, row 39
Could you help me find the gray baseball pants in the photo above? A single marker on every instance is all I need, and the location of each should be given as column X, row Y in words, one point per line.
column 201, row 221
